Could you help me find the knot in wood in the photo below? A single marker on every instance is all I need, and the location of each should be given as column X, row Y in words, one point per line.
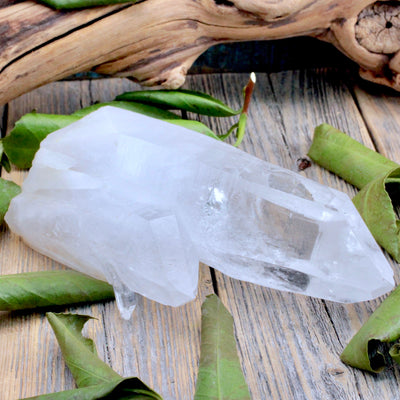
column 378, row 27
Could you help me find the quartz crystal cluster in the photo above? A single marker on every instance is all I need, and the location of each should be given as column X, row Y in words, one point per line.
column 139, row 202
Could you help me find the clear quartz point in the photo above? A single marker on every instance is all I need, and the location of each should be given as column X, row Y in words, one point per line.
column 118, row 191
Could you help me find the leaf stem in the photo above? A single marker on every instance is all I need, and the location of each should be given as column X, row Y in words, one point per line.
column 241, row 125
column 248, row 91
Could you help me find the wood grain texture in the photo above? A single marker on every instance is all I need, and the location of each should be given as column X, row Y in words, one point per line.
column 27, row 25
column 159, row 344
column 290, row 344
column 380, row 110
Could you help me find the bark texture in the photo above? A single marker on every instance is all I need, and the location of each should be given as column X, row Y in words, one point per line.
column 156, row 41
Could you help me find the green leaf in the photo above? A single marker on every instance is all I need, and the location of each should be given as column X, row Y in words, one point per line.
column 144, row 109
column 24, row 140
column 220, row 376
column 8, row 190
column 69, row 4
column 196, row 102
column 376, row 207
column 79, row 353
column 50, row 288
column 344, row 156
column 95, row 379
column 367, row 349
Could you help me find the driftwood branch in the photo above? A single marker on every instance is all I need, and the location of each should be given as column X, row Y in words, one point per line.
column 156, row 41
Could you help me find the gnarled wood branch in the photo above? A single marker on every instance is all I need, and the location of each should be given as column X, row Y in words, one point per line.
column 156, row 41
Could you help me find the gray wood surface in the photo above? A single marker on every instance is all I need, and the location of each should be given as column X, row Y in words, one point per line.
column 289, row 345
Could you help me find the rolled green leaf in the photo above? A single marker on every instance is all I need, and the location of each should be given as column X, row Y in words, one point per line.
column 8, row 190
column 375, row 205
column 79, row 352
column 344, row 156
column 50, row 288
column 70, row 4
column 23, row 142
column 94, row 378
column 220, row 376
column 368, row 349
column 187, row 100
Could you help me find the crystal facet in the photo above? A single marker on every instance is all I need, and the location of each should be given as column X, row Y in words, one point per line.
column 139, row 202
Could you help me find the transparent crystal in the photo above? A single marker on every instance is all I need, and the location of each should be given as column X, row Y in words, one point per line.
column 139, row 202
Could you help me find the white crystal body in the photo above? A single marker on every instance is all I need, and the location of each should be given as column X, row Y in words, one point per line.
column 139, row 202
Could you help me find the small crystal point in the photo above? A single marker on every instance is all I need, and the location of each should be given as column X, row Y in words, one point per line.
column 139, row 202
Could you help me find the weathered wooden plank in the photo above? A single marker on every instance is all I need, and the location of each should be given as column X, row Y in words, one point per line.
column 325, row 98
column 26, row 342
column 159, row 344
column 290, row 344
column 380, row 110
